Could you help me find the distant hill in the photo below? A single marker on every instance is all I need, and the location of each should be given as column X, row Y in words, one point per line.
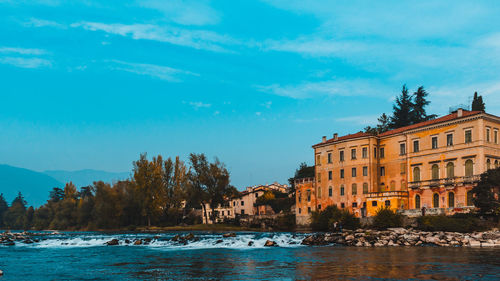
column 35, row 186
column 86, row 177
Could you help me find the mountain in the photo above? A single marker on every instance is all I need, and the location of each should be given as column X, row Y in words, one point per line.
column 86, row 177
column 35, row 186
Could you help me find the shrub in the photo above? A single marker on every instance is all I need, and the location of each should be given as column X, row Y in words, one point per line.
column 457, row 223
column 386, row 218
column 326, row 219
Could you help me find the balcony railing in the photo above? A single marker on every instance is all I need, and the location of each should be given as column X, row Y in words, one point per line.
column 387, row 194
column 445, row 182
column 304, row 180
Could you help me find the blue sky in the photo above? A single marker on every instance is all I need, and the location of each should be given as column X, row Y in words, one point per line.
column 91, row 84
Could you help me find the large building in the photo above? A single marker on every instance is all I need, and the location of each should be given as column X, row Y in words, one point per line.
column 433, row 164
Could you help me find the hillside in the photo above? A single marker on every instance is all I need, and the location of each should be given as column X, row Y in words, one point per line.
column 86, row 177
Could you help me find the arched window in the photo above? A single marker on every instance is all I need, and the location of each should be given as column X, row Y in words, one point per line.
column 496, row 163
column 417, row 201
column 470, row 197
column 450, row 170
column 488, row 164
column 451, row 200
column 435, row 172
column 416, row 174
column 435, row 200
column 365, row 188
column 354, row 189
column 393, row 185
column 469, row 168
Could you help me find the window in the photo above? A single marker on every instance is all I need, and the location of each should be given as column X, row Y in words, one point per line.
column 354, row 190
column 435, row 172
column 308, row 210
column 451, row 200
column 341, row 155
column 256, row 195
column 374, row 203
column 488, row 164
column 300, row 197
column 318, row 160
column 469, row 168
column 374, row 152
column 449, row 139
column 364, row 152
column 382, row 171
column 488, row 134
column 319, row 177
column 234, row 203
column 228, row 213
column 300, row 211
column 330, row 191
column 365, row 171
column 329, row 158
column 495, row 136
column 242, row 203
column 435, row 200
column 365, row 188
column 354, row 204
column 342, row 190
column 434, row 141
column 319, row 192
column 417, row 201
column 387, row 203
column 416, row 147
column 308, row 195
column 468, row 136
column 382, row 152
column 353, row 153
column 403, row 168
column 416, row 174
column 470, row 198
column 330, row 175
column 242, row 211
column 496, row 164
column 222, row 213
column 341, row 173
column 402, row 149
column 342, row 205
column 319, row 207
column 450, row 170
column 353, row 172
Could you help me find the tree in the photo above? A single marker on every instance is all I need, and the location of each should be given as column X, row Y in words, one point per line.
column 477, row 103
column 402, row 110
column 418, row 112
column 148, row 176
column 3, row 208
column 484, row 192
column 303, row 171
column 383, row 123
column 56, row 194
column 15, row 217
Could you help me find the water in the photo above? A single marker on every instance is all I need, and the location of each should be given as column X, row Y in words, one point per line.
column 83, row 256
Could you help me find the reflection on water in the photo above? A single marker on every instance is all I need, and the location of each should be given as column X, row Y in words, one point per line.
column 91, row 261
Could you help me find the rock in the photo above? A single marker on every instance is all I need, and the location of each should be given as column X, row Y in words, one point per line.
column 349, row 237
column 219, row 241
column 188, row 237
column 28, row 241
column 487, row 244
column 9, row 243
column 227, row 235
column 314, row 240
column 127, row 241
column 270, row 243
column 1, row 272
column 112, row 242
column 359, row 244
column 147, row 240
column 250, row 243
column 138, row 242
column 474, row 243
column 418, row 243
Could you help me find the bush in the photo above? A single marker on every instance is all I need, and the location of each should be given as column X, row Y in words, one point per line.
column 386, row 218
column 456, row 223
column 325, row 220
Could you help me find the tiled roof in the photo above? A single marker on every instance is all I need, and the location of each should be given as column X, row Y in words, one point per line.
column 445, row 118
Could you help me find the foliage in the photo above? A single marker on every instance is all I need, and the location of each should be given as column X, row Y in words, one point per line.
column 386, row 218
column 419, row 104
column 3, row 208
column 477, row 103
column 456, row 223
column 303, row 171
column 278, row 201
column 402, row 110
column 484, row 193
column 15, row 216
column 325, row 220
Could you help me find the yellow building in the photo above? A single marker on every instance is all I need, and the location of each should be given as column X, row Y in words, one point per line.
column 432, row 164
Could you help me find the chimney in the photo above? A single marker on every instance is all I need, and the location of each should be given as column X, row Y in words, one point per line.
column 335, row 136
column 460, row 112
column 323, row 139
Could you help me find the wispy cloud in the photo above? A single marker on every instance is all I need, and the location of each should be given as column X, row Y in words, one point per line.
column 198, row 104
column 156, row 71
column 198, row 39
column 186, row 12
column 25, row 62
column 325, row 88
column 359, row 119
column 22, row 51
column 34, row 22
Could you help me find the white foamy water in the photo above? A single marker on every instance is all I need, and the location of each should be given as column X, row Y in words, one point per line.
column 164, row 242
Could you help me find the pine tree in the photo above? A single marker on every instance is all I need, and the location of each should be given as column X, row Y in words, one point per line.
column 477, row 103
column 3, row 208
column 419, row 114
column 402, row 110
column 383, row 123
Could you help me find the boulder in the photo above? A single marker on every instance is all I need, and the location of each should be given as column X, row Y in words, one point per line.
column 127, row 241
column 219, row 241
column 474, row 243
column 147, row 240
column 270, row 243
column 112, row 242
column 250, row 243
column 138, row 242
column 176, row 238
column 188, row 237
column 227, row 235
column 1, row 272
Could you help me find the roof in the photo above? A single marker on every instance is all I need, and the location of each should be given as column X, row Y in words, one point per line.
column 445, row 118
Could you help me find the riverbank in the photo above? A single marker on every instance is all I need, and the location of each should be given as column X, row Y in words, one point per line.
column 405, row 237
column 198, row 227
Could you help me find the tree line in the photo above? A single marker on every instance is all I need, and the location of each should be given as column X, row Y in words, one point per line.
column 159, row 193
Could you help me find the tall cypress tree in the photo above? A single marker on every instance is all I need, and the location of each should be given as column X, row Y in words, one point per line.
column 402, row 110
column 477, row 103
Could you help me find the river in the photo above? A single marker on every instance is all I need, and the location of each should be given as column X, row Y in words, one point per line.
column 84, row 256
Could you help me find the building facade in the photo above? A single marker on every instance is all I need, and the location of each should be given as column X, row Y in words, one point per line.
column 433, row 164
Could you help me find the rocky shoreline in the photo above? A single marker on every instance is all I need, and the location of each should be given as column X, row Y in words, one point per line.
column 404, row 237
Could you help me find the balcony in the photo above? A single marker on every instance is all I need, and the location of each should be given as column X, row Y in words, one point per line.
column 445, row 182
column 304, row 180
column 387, row 194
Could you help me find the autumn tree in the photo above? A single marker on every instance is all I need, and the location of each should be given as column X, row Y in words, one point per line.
column 148, row 176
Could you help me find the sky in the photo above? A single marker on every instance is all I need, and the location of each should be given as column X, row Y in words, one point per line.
column 92, row 84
